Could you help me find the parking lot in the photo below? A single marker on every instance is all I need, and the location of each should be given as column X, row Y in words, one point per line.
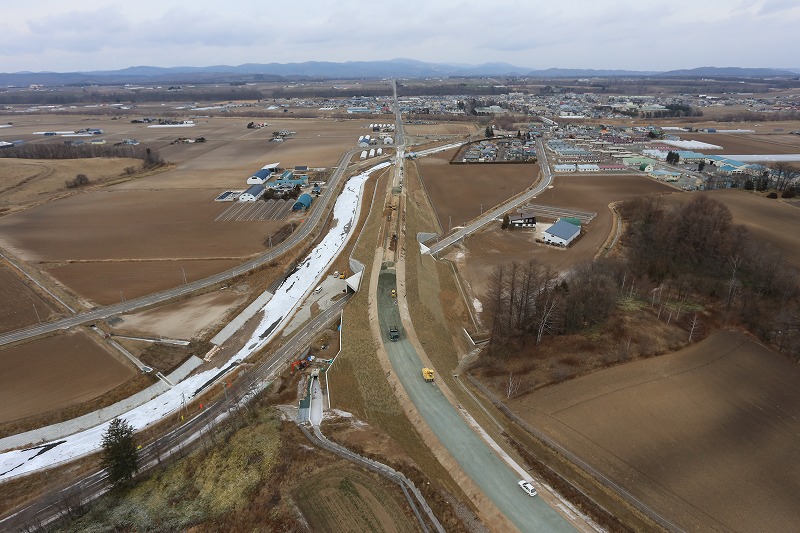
column 259, row 210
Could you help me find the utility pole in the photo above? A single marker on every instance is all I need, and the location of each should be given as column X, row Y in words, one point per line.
column 481, row 209
column 184, row 275
column 449, row 223
column 37, row 314
column 121, row 296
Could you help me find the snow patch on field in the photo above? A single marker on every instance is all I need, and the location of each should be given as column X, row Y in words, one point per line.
column 276, row 312
column 693, row 145
column 760, row 158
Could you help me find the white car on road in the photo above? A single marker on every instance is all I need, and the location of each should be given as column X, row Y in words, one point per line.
column 527, row 487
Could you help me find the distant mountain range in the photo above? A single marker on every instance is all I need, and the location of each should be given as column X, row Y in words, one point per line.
column 395, row 68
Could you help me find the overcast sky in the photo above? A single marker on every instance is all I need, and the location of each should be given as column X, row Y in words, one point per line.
column 63, row 36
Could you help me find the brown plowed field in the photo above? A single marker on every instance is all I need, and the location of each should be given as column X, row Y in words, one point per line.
column 101, row 282
column 17, row 302
column 747, row 144
column 457, row 191
column 771, row 220
column 54, row 373
column 451, row 128
column 585, row 192
column 112, row 224
column 706, row 436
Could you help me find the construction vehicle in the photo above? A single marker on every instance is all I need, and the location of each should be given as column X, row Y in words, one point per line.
column 301, row 363
column 394, row 293
column 427, row 375
column 394, row 333
column 343, row 274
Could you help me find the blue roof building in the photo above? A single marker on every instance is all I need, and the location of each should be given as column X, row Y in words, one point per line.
column 302, row 203
column 561, row 233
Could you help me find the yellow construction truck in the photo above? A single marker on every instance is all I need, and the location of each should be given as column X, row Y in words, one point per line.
column 427, row 375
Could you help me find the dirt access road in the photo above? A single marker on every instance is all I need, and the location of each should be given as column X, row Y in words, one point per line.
column 494, row 477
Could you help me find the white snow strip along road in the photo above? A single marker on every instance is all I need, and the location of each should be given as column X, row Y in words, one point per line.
column 276, row 311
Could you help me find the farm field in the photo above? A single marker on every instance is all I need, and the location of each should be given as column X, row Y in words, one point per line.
column 54, row 373
column 167, row 216
column 442, row 128
column 457, row 191
column 108, row 282
column 18, row 300
column 493, row 246
column 181, row 320
column 112, row 224
column 722, row 419
column 317, row 143
column 25, row 182
column 346, row 499
column 747, row 144
column 771, row 220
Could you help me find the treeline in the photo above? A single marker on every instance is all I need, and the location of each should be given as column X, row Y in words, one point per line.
column 320, row 92
column 529, row 301
column 696, row 248
column 67, row 97
column 755, row 116
column 672, row 257
column 150, row 157
column 449, row 89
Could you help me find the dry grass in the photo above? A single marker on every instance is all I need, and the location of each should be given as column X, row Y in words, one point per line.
column 357, row 383
column 433, row 317
column 345, row 499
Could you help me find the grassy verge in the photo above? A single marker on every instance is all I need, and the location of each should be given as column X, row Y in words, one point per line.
column 436, row 320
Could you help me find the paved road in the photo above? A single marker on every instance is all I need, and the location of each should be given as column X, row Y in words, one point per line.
column 493, row 476
column 130, row 305
column 501, row 210
column 179, row 440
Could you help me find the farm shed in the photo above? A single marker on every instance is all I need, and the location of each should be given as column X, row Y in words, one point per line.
column 561, row 233
column 259, row 177
column 302, row 203
column 253, row 193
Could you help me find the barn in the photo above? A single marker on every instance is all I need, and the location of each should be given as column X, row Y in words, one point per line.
column 302, row 203
column 561, row 233
column 259, row 177
column 253, row 193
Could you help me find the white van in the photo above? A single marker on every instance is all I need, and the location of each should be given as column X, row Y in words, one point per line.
column 318, row 289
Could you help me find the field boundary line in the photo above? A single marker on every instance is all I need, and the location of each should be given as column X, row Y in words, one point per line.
column 45, row 289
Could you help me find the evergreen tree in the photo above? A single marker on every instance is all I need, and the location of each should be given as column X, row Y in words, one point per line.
column 119, row 452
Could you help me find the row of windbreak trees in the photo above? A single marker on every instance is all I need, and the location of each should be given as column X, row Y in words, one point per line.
column 149, row 156
column 672, row 256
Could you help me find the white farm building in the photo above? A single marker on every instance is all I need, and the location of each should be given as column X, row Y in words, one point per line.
column 562, row 233
column 253, row 193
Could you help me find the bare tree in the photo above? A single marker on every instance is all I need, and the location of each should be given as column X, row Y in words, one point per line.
column 512, row 385
column 693, row 326
column 547, row 318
